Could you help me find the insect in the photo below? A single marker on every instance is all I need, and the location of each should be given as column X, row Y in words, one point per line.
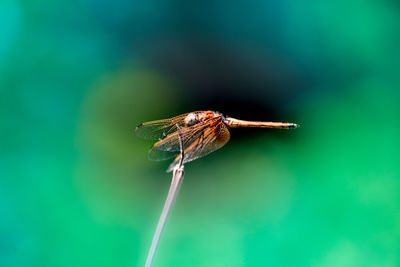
column 201, row 133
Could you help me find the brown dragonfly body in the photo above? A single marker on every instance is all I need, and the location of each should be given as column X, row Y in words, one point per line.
column 202, row 132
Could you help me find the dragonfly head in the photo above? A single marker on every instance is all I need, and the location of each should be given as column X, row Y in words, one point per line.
column 191, row 119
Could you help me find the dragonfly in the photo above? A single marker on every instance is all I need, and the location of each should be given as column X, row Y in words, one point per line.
column 188, row 137
column 200, row 133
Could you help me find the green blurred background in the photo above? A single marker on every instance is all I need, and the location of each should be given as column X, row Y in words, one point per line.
column 76, row 77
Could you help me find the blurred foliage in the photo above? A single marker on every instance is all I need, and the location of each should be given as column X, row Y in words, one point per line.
column 76, row 77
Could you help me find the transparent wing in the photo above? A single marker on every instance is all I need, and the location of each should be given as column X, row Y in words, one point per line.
column 211, row 139
column 158, row 155
column 188, row 135
column 171, row 142
column 155, row 130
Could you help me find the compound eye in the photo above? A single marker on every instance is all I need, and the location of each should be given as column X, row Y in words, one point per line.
column 191, row 119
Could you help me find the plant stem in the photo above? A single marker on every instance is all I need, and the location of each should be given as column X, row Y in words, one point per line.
column 177, row 178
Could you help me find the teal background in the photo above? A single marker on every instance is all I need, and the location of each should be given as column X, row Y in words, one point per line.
column 77, row 189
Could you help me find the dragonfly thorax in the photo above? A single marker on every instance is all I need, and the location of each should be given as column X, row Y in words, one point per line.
column 191, row 119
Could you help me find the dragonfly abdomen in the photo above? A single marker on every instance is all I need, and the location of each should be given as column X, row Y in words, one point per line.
column 235, row 123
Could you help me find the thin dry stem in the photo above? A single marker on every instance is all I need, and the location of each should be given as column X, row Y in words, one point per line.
column 176, row 182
